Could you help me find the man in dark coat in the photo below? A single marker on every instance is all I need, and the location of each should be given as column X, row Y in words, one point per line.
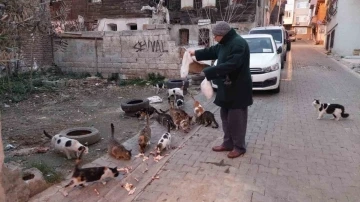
column 233, row 78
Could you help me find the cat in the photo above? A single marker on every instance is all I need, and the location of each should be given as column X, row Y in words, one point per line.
column 158, row 86
column 83, row 175
column 116, row 149
column 165, row 141
column 141, row 114
column 175, row 91
column 145, row 136
column 67, row 145
column 207, row 118
column 164, row 119
column 336, row 110
column 198, row 108
column 180, row 117
column 178, row 100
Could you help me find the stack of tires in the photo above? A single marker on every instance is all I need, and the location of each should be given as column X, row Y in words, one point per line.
column 177, row 83
column 196, row 79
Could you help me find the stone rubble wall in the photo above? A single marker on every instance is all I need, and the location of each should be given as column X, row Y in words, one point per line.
column 130, row 53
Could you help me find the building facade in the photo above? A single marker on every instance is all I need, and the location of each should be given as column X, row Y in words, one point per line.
column 301, row 22
column 343, row 27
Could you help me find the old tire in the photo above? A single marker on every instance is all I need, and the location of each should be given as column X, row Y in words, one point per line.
column 177, row 83
column 87, row 136
column 130, row 107
column 197, row 77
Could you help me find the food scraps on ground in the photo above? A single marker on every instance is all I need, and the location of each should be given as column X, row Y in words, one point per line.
column 96, row 191
column 128, row 186
column 158, row 158
column 132, row 191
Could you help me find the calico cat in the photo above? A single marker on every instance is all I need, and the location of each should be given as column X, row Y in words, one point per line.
column 142, row 113
column 165, row 141
column 83, row 175
column 116, row 149
column 164, row 119
column 145, row 136
column 67, row 145
column 336, row 110
column 198, row 108
column 180, row 117
column 207, row 118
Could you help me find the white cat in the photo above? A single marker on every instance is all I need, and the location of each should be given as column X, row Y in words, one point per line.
column 335, row 109
column 67, row 145
column 164, row 142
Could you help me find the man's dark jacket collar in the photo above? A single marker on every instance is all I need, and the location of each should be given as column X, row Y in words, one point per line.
column 230, row 35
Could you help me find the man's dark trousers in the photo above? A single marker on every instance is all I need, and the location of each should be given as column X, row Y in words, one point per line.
column 234, row 123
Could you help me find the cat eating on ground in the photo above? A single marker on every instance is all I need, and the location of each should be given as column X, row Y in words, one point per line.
column 336, row 110
column 207, row 118
column 165, row 119
column 67, row 145
column 116, row 149
column 81, row 176
column 141, row 114
column 165, row 141
column 145, row 136
column 158, row 86
column 180, row 117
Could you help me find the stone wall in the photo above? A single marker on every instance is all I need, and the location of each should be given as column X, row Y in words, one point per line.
column 129, row 53
column 2, row 192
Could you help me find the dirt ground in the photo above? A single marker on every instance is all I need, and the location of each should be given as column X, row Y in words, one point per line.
column 83, row 102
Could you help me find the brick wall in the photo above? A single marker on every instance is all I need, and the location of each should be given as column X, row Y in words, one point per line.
column 42, row 50
column 130, row 53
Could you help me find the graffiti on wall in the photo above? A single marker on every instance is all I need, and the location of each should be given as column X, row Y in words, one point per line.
column 150, row 46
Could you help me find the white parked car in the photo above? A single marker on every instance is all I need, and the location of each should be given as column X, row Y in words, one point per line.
column 265, row 62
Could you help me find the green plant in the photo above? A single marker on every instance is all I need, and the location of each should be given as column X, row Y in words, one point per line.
column 155, row 78
column 99, row 75
column 50, row 174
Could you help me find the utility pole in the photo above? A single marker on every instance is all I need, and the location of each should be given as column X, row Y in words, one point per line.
column 278, row 17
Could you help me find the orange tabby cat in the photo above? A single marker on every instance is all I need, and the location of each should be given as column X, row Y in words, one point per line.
column 198, row 109
column 145, row 135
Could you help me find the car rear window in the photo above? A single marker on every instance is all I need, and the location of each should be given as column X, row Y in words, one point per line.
column 275, row 33
column 260, row 45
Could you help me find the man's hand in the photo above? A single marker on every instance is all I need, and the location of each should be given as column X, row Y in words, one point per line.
column 192, row 52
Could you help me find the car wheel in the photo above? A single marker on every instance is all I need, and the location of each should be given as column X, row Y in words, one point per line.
column 277, row 90
column 282, row 64
column 130, row 107
column 289, row 47
column 285, row 56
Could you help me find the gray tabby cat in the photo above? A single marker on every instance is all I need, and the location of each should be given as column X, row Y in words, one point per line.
column 116, row 149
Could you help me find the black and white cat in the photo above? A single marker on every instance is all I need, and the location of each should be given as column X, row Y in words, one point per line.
column 67, row 145
column 336, row 110
column 81, row 176
column 165, row 141
column 158, row 86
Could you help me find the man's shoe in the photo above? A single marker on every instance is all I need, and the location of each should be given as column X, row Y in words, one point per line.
column 234, row 153
column 220, row 149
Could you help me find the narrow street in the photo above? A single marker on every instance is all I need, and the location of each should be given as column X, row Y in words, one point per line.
column 291, row 155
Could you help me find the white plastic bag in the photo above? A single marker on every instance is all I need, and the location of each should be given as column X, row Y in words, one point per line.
column 206, row 88
column 186, row 61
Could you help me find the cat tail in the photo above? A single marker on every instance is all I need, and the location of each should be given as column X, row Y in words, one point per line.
column 156, row 111
column 78, row 160
column 47, row 135
column 112, row 130
column 343, row 114
column 168, row 125
column 216, row 124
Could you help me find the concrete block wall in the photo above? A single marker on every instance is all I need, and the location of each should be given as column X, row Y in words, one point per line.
column 129, row 53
